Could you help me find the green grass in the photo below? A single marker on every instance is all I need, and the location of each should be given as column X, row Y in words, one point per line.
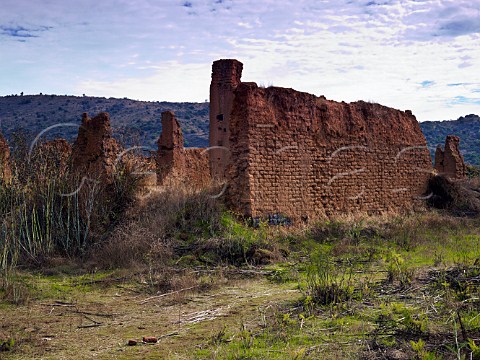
column 407, row 284
column 380, row 313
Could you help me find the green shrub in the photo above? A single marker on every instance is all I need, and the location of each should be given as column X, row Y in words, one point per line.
column 328, row 282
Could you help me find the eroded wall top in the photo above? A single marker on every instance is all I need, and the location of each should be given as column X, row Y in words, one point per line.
column 176, row 165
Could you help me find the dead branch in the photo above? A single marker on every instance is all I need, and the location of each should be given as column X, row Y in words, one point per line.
column 88, row 326
column 166, row 294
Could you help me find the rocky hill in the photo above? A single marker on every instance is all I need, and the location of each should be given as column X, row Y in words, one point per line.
column 139, row 122
column 466, row 127
column 133, row 122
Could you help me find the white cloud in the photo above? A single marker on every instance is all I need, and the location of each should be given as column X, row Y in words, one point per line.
column 163, row 49
column 169, row 82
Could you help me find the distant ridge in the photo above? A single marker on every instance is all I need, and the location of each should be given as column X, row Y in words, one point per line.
column 134, row 122
column 139, row 122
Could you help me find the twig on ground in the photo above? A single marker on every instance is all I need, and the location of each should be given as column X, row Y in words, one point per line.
column 88, row 326
column 168, row 335
column 166, row 294
column 59, row 303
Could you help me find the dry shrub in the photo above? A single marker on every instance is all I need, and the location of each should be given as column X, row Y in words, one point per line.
column 129, row 245
column 45, row 212
column 460, row 197
column 182, row 228
column 155, row 226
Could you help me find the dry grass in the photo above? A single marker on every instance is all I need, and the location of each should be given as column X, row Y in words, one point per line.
column 460, row 197
column 153, row 227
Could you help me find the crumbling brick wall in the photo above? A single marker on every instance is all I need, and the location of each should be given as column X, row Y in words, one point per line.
column 175, row 164
column 95, row 151
column 306, row 157
column 5, row 170
column 143, row 168
column 226, row 76
column 449, row 162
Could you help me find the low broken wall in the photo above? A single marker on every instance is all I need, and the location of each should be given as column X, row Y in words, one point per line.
column 177, row 165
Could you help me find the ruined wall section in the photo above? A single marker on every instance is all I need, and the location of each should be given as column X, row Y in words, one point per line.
column 94, row 153
column 307, row 157
column 171, row 159
column 226, row 76
column 197, row 168
column 175, row 164
column 449, row 162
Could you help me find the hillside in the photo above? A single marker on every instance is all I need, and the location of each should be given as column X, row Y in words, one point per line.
column 467, row 127
column 139, row 122
column 133, row 122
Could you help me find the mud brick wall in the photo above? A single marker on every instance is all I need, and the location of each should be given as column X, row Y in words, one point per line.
column 58, row 153
column 306, row 157
column 175, row 164
column 226, row 76
column 170, row 159
column 197, row 171
column 95, row 151
column 449, row 162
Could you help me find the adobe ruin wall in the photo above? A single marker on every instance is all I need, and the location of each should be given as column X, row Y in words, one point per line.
column 306, row 157
column 226, row 76
column 95, row 151
column 178, row 165
column 449, row 161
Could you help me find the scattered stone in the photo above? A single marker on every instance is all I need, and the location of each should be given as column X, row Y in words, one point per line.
column 150, row 339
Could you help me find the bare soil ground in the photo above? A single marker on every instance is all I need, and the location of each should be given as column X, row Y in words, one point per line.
column 99, row 321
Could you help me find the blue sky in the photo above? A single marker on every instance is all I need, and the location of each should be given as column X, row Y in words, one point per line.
column 422, row 55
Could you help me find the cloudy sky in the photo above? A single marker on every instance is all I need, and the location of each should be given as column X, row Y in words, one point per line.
column 422, row 55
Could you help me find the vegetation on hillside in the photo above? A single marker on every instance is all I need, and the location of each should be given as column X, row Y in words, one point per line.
column 134, row 122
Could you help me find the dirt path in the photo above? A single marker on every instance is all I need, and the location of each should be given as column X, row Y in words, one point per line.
column 99, row 323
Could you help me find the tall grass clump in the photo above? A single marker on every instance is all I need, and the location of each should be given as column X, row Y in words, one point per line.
column 45, row 212
column 182, row 227
column 328, row 282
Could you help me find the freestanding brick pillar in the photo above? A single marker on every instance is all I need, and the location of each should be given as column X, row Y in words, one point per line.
column 95, row 151
column 177, row 165
column 226, row 74
column 449, row 162
column 171, row 156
